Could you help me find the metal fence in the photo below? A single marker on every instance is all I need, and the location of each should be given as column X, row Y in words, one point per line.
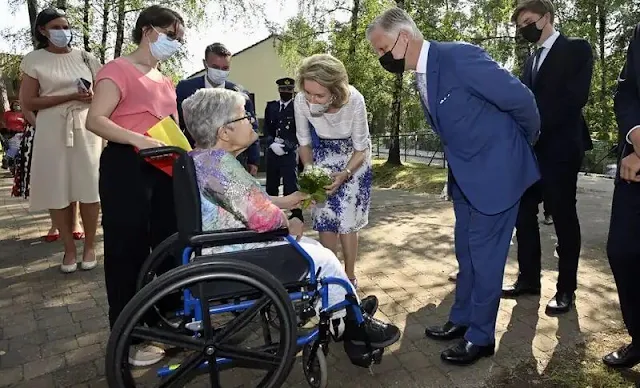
column 427, row 148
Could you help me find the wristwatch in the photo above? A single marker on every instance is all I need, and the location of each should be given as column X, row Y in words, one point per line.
column 349, row 173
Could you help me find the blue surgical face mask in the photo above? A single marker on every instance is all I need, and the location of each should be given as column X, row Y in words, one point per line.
column 163, row 48
column 60, row 38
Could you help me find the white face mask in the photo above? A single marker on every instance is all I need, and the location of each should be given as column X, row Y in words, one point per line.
column 217, row 76
column 60, row 38
column 163, row 48
column 318, row 109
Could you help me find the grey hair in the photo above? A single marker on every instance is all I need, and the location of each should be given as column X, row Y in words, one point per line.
column 392, row 21
column 207, row 110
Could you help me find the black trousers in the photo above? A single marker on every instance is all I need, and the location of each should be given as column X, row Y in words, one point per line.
column 137, row 215
column 623, row 251
column 558, row 188
column 281, row 170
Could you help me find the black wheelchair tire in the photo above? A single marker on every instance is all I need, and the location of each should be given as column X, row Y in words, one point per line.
column 116, row 363
column 318, row 375
column 157, row 256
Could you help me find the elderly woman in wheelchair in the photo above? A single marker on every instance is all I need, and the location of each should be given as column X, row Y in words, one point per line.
column 223, row 213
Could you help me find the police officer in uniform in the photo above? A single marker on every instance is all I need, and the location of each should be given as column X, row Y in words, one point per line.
column 281, row 142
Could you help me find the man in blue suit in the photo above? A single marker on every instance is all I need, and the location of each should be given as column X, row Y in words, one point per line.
column 487, row 121
column 217, row 62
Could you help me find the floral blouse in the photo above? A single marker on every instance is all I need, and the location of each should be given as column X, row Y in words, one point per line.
column 231, row 198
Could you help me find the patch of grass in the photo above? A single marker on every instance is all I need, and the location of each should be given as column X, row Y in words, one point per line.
column 413, row 177
column 579, row 367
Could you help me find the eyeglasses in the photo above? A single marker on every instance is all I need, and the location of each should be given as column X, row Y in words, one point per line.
column 251, row 119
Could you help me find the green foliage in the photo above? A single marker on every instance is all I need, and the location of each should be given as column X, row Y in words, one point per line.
column 313, row 182
column 607, row 25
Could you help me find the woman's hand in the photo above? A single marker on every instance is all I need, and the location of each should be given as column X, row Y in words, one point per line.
column 142, row 142
column 296, row 228
column 82, row 96
column 294, row 200
column 338, row 179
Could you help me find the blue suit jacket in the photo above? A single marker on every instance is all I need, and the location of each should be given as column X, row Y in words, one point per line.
column 186, row 88
column 487, row 120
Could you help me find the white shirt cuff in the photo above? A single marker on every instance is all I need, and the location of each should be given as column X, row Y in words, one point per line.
column 629, row 133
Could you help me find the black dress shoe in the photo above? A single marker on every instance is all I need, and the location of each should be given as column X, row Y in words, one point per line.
column 465, row 353
column 519, row 289
column 448, row 331
column 369, row 304
column 626, row 357
column 560, row 303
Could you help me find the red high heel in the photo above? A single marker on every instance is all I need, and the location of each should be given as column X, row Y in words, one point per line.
column 51, row 237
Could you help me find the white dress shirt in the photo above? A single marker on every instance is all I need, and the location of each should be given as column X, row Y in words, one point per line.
column 546, row 47
column 421, row 72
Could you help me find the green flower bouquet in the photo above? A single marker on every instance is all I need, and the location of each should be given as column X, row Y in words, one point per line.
column 312, row 181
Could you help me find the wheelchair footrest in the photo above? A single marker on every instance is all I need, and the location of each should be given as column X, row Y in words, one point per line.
column 362, row 355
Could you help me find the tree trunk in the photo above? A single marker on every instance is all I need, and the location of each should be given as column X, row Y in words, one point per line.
column 86, row 16
column 394, row 148
column 353, row 42
column 602, row 30
column 106, row 12
column 32, row 6
column 117, row 50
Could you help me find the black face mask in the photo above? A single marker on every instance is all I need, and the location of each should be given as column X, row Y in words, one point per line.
column 286, row 96
column 391, row 64
column 531, row 33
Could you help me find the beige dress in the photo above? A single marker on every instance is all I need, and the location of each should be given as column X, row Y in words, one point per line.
column 64, row 166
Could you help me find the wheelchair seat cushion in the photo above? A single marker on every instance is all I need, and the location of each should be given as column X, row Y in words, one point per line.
column 283, row 261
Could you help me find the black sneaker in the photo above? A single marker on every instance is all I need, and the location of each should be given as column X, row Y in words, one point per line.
column 378, row 334
column 369, row 305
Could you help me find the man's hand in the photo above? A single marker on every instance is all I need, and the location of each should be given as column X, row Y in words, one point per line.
column 629, row 167
column 253, row 169
column 338, row 179
column 296, row 228
column 277, row 148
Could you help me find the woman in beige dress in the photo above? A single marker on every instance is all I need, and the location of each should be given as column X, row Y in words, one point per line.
column 64, row 168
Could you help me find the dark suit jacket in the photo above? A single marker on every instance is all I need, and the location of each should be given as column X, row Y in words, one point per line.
column 626, row 102
column 562, row 89
column 282, row 125
column 186, row 88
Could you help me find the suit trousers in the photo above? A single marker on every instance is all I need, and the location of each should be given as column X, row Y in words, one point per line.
column 623, row 251
column 558, row 188
column 137, row 215
column 281, row 168
column 482, row 245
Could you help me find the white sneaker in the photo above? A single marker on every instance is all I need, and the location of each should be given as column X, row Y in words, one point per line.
column 145, row 355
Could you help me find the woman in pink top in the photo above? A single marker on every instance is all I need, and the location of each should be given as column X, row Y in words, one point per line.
column 131, row 96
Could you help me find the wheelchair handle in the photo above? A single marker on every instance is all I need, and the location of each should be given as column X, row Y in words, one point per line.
column 161, row 151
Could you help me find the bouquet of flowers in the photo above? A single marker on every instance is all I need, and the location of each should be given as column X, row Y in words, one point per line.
column 312, row 181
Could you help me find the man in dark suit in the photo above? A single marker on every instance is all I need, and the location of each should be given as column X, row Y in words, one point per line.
column 559, row 74
column 623, row 248
column 217, row 62
column 487, row 120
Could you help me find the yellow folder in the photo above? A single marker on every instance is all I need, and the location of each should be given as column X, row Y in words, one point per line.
column 168, row 132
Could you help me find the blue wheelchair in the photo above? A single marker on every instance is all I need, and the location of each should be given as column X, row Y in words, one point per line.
column 207, row 306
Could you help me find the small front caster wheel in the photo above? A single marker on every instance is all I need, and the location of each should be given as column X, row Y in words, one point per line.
column 314, row 366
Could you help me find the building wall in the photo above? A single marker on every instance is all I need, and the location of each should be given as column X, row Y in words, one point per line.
column 257, row 69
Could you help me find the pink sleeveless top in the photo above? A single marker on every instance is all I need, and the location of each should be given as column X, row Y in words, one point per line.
column 143, row 101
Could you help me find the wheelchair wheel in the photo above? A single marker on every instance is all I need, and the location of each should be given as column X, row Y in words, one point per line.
column 156, row 259
column 315, row 371
column 211, row 350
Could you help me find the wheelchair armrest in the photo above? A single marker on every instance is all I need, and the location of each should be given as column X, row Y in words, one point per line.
column 161, row 151
column 235, row 236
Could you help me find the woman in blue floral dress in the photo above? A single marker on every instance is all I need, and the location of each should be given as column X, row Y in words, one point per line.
column 332, row 130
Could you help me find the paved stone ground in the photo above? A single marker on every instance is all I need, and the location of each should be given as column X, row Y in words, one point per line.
column 53, row 327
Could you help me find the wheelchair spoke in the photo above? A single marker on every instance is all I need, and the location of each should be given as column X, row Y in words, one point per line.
column 166, row 337
column 214, row 372
column 253, row 358
column 241, row 320
column 182, row 375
